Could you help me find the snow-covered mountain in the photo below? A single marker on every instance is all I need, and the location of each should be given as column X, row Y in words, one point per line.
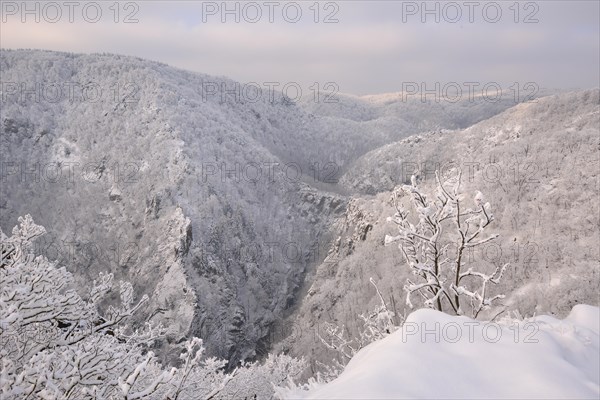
column 536, row 163
column 221, row 203
column 196, row 199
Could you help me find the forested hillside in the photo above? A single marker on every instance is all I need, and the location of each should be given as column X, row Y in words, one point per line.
column 536, row 164
column 214, row 198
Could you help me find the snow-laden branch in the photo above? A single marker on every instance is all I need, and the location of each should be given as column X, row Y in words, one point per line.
column 424, row 244
column 56, row 345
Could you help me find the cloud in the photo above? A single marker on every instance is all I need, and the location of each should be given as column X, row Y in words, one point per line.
column 373, row 48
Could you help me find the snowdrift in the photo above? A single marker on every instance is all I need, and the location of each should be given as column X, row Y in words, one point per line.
column 436, row 356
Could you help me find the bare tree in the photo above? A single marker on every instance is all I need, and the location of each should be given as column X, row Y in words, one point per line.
column 444, row 221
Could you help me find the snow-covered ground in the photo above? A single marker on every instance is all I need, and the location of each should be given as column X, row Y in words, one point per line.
column 436, row 356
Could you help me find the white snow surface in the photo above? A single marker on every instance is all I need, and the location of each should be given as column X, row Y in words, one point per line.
column 536, row 358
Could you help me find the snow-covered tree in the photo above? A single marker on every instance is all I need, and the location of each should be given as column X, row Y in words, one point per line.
column 259, row 380
column 56, row 344
column 444, row 224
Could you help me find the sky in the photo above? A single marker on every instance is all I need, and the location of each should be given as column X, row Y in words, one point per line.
column 361, row 47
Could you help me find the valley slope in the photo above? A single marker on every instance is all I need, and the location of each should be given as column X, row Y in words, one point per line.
column 222, row 206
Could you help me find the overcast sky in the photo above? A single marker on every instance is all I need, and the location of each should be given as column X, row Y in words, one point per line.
column 367, row 47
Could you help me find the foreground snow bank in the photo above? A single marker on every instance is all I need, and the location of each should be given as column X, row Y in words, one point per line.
column 435, row 355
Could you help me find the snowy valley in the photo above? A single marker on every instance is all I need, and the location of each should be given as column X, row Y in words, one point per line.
column 258, row 224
